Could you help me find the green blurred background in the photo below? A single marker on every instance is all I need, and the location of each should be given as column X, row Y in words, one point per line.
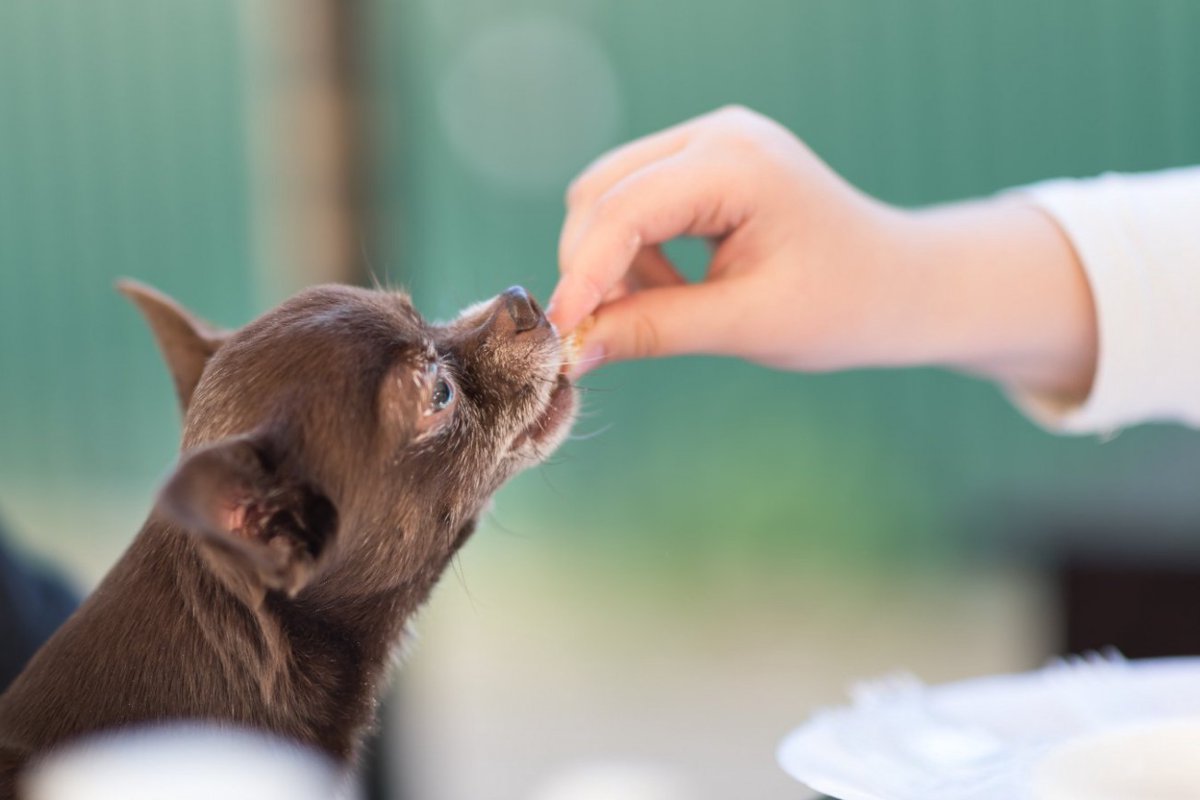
column 722, row 516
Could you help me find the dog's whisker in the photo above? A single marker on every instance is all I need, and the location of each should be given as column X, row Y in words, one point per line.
column 549, row 484
column 460, row 575
column 593, row 388
column 570, row 365
column 495, row 522
column 583, row 437
column 366, row 256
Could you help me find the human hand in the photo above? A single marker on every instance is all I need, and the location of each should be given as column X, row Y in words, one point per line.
column 794, row 278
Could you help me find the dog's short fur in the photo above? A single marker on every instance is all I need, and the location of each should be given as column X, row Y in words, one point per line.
column 326, row 479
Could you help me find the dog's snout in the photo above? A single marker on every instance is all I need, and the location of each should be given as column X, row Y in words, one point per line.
column 523, row 310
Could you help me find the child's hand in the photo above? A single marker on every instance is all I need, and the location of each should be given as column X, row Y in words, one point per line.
column 797, row 257
column 806, row 271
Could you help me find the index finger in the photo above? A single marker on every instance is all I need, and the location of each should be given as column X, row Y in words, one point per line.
column 676, row 196
column 607, row 170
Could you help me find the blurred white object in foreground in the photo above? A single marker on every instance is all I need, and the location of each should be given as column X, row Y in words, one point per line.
column 615, row 780
column 1156, row 760
column 1035, row 736
column 184, row 762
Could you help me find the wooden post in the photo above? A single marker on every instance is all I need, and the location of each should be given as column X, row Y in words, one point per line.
column 307, row 141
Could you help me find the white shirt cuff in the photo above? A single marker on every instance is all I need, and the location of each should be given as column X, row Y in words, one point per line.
column 1138, row 238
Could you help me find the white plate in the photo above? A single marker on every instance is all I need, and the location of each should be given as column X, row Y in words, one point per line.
column 987, row 738
column 1145, row 761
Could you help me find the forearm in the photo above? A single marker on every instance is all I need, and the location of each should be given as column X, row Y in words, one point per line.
column 993, row 288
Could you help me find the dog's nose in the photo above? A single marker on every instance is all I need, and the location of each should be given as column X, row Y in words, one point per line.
column 523, row 309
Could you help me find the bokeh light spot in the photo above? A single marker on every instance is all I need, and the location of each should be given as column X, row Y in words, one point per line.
column 526, row 104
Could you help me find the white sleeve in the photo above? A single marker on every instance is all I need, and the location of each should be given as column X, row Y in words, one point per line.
column 1138, row 238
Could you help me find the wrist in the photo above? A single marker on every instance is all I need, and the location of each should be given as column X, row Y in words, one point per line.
column 993, row 288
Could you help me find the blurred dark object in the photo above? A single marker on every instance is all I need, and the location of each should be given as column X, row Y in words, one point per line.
column 1146, row 608
column 34, row 601
column 376, row 778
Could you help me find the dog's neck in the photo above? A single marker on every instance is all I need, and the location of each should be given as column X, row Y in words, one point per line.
column 178, row 643
column 316, row 661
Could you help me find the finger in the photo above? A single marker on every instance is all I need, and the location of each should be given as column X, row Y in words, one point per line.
column 600, row 176
column 650, row 270
column 606, row 171
column 673, row 197
column 619, row 290
column 676, row 320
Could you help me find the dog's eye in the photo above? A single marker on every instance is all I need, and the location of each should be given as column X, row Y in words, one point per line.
column 443, row 394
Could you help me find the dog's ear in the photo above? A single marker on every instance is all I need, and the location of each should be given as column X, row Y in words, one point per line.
column 261, row 526
column 186, row 341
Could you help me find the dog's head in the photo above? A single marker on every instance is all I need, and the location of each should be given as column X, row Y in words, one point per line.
column 340, row 439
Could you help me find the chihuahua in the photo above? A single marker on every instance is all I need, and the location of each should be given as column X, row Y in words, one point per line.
column 336, row 453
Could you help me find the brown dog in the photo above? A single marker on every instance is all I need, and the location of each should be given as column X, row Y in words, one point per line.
column 336, row 454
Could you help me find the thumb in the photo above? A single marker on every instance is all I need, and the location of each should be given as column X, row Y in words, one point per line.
column 669, row 321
